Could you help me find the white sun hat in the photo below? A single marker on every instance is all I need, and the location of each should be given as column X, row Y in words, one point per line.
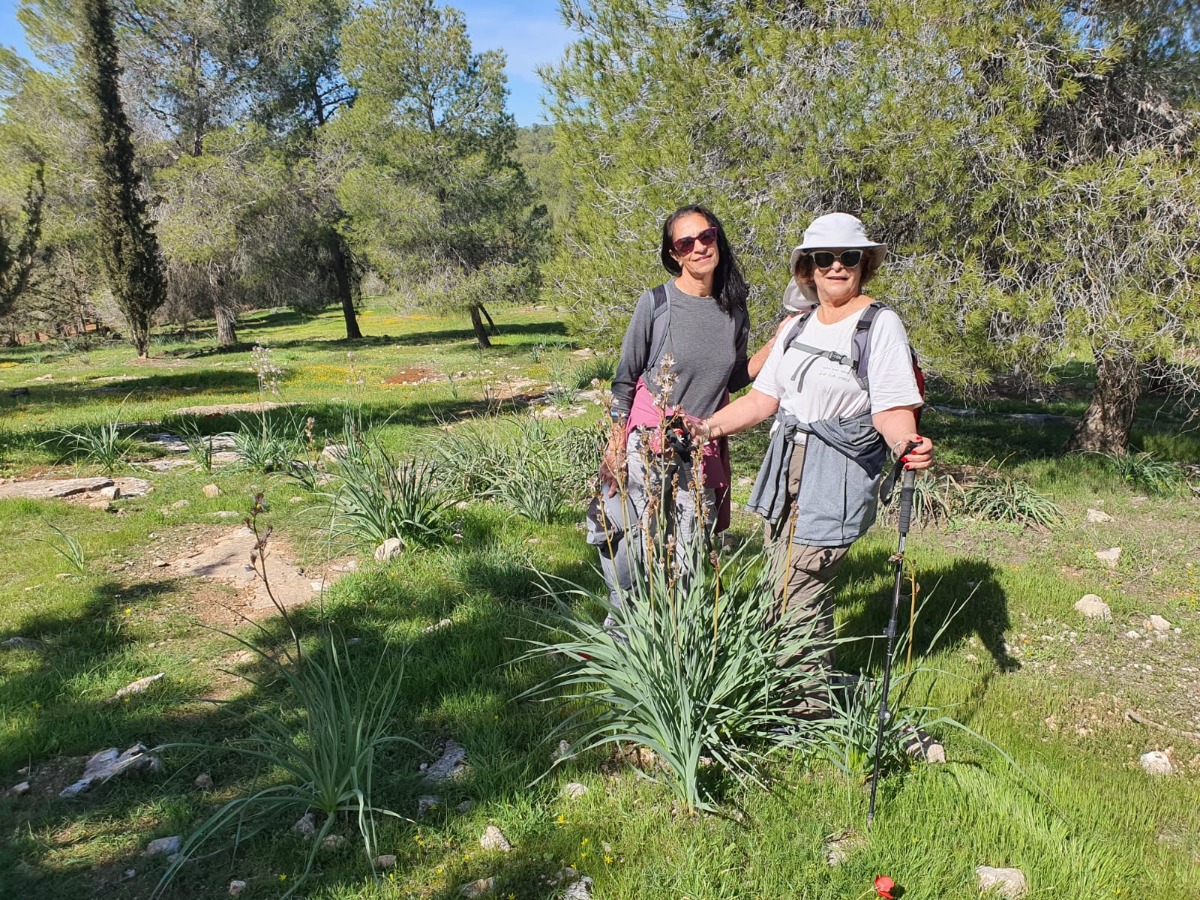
column 835, row 231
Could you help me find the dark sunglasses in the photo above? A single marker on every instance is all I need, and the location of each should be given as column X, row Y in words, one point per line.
column 823, row 259
column 684, row 245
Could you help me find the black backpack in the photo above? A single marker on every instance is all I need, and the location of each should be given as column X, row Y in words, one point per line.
column 860, row 348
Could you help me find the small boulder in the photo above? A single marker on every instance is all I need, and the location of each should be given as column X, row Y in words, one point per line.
column 1156, row 762
column 580, row 890
column 1158, row 623
column 211, row 491
column 1091, row 606
column 333, row 842
column 389, row 549
column 306, row 826
column 236, row 887
column 481, row 887
column 19, row 790
column 113, row 492
column 494, row 839
column 574, row 790
column 1098, row 515
column 427, row 802
column 164, row 846
column 1008, row 883
column 1111, row 556
column 385, row 861
column 451, row 764
column 111, row 762
column 465, row 807
column 203, row 781
column 140, row 686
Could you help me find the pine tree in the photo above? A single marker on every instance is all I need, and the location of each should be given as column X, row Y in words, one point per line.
column 130, row 250
column 17, row 258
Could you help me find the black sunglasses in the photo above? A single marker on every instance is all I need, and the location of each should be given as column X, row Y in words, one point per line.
column 684, row 245
column 823, row 259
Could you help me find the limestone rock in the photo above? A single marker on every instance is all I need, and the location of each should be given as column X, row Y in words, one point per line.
column 580, row 890
column 427, row 802
column 113, row 492
column 389, row 549
column 236, row 887
column 465, row 807
column 481, row 887
column 333, row 842
column 18, row 790
column 20, row 643
column 306, row 825
column 494, row 839
column 1158, row 623
column 1111, row 556
column 839, row 848
column 1008, row 883
column 385, row 861
column 140, row 686
column 1156, row 762
column 211, row 491
column 164, row 846
column 1098, row 515
column 203, row 781
column 444, row 623
column 451, row 764
column 109, row 763
column 1092, row 607
column 575, row 790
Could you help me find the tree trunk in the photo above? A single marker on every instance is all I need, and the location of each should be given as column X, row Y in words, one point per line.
column 226, row 325
column 492, row 329
column 1109, row 419
column 341, row 273
column 481, row 334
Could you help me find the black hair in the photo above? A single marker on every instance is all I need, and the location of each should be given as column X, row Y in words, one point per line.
column 729, row 285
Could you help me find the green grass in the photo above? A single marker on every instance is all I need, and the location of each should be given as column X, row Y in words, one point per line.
column 1018, row 666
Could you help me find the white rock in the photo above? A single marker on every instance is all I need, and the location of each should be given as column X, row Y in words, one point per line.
column 575, row 790
column 389, row 549
column 451, row 764
column 1098, row 515
column 494, row 839
column 19, row 790
column 111, row 493
column 333, row 842
column 211, row 491
column 580, row 890
column 1092, row 607
column 203, row 781
column 160, row 564
column 481, row 887
column 1156, row 762
column 109, row 763
column 1132, row 634
column 306, row 825
column 1112, row 556
column 1009, row 883
column 1158, row 623
column 139, row 686
column 184, row 504
column 236, row 887
column 385, row 861
column 444, row 623
column 167, row 845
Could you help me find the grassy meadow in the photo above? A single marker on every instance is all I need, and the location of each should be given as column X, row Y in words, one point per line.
column 1017, row 664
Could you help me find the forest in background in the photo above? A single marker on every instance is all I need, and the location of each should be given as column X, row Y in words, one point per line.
column 1030, row 164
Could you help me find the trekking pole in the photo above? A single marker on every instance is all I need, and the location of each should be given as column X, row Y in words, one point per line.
column 905, row 516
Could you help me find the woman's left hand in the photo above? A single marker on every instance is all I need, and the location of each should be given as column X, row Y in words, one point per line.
column 921, row 455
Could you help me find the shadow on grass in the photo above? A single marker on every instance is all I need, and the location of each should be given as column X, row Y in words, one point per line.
column 461, row 681
column 449, row 338
column 966, row 593
column 144, row 388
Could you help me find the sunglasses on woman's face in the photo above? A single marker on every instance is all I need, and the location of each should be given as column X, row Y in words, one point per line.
column 684, row 245
column 824, row 259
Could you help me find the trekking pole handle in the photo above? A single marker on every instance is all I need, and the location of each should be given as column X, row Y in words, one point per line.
column 908, row 487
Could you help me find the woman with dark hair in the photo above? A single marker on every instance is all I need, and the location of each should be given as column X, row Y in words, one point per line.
column 684, row 352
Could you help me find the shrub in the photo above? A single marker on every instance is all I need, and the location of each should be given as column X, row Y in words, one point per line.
column 1142, row 470
column 101, row 445
column 1000, row 498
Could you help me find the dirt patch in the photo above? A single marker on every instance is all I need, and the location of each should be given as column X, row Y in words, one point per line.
column 223, row 409
column 414, row 375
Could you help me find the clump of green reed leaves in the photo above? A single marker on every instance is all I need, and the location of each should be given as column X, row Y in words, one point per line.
column 1000, row 498
column 100, row 445
column 1142, row 470
column 68, row 547
column 533, row 471
column 375, row 497
column 326, row 764
column 598, row 368
column 199, row 445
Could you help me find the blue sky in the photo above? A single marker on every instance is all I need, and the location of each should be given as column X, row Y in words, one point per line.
column 530, row 32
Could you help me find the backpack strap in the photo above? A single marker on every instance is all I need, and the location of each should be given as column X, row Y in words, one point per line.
column 860, row 346
column 659, row 326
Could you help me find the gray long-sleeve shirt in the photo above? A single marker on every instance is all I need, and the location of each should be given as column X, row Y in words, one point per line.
column 709, row 348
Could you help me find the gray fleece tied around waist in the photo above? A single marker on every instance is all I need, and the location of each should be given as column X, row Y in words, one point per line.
column 839, row 485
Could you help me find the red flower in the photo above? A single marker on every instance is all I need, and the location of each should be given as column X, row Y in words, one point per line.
column 884, row 887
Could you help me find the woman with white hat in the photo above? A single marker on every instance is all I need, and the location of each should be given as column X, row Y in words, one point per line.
column 836, row 421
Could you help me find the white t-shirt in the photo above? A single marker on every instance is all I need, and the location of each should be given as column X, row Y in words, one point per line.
column 813, row 388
